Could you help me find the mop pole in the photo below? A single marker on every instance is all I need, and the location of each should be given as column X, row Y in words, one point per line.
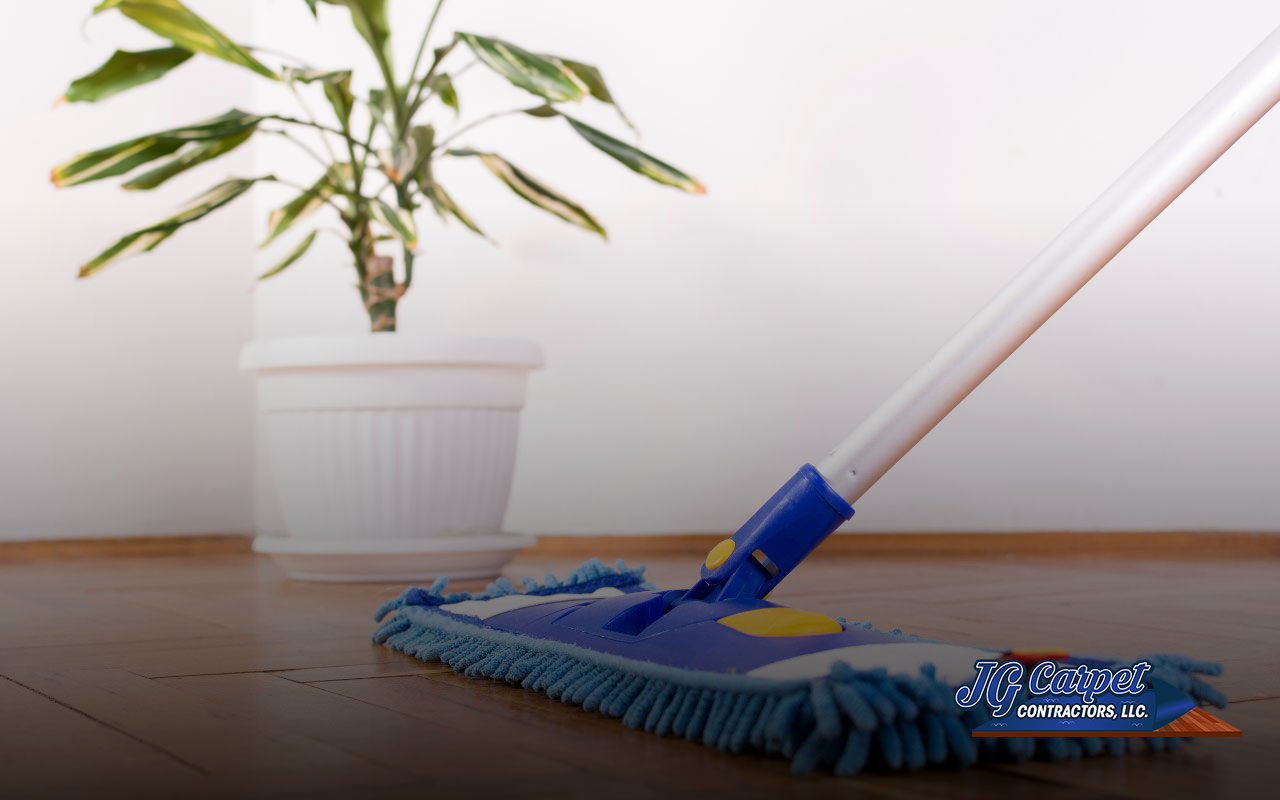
column 1052, row 277
column 810, row 506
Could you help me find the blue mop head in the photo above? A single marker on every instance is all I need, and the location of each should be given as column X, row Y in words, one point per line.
column 735, row 674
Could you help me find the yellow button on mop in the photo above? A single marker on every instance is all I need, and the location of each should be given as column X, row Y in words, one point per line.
column 781, row 622
column 720, row 553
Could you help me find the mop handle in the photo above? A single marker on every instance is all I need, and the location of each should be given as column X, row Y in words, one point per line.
column 1070, row 260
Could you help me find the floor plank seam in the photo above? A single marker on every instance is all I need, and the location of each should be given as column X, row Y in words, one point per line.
column 268, row 671
column 151, row 745
column 355, row 678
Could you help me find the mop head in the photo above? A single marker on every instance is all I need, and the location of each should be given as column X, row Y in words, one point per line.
column 742, row 677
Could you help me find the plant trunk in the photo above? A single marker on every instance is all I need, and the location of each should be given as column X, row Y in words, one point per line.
column 378, row 287
column 381, row 293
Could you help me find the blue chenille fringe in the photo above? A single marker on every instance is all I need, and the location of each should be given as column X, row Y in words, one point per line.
column 847, row 721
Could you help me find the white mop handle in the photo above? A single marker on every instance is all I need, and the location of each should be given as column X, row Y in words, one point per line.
column 1044, row 285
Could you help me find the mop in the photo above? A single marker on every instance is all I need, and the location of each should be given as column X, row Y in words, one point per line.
column 718, row 663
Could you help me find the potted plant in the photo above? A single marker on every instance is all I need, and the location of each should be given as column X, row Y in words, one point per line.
column 392, row 456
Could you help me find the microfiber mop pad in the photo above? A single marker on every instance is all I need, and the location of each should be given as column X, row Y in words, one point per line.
column 855, row 697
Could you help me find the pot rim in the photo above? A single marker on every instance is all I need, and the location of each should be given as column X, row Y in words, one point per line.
column 388, row 349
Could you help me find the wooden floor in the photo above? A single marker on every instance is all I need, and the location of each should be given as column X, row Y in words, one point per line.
column 211, row 675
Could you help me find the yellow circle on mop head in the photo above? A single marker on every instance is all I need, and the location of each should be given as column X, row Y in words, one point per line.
column 781, row 622
column 720, row 553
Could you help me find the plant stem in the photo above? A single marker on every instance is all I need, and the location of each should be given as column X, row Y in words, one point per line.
column 393, row 91
column 422, row 45
column 460, row 71
column 301, row 145
column 405, row 201
column 357, row 164
column 317, row 126
column 253, row 48
column 487, row 118
column 293, row 88
column 295, row 120
column 328, row 165
column 421, row 85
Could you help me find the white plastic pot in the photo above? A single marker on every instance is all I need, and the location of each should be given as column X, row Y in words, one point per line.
column 392, row 457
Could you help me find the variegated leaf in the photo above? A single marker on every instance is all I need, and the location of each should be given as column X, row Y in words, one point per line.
column 534, row 191
column 398, row 221
column 594, row 81
column 293, row 255
column 122, row 157
column 305, row 204
column 529, row 71
column 182, row 26
column 150, row 237
column 445, row 206
column 636, row 159
column 192, row 155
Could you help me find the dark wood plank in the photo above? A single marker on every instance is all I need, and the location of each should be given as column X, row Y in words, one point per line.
column 209, row 674
column 51, row 749
column 444, row 746
column 232, row 750
column 664, row 767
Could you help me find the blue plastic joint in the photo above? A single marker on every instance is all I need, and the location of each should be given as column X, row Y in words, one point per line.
column 775, row 540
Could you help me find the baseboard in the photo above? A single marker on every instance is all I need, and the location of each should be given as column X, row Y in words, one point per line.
column 1129, row 544
column 194, row 544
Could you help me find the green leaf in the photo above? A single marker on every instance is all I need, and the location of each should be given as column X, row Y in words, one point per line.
column 305, row 204
column 398, row 221
column 150, row 237
column 191, row 156
column 294, row 255
column 534, row 191
column 336, row 85
column 529, row 71
column 180, row 25
column 438, row 54
column 371, row 22
column 423, row 138
column 311, row 4
column 379, row 104
column 421, row 85
column 124, row 70
column 636, row 159
column 122, row 157
column 442, row 86
column 338, row 93
column 594, row 81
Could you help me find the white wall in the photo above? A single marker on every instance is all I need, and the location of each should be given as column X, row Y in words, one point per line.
column 876, row 171
column 121, row 408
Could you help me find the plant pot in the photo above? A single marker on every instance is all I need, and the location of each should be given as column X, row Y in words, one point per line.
column 392, row 456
